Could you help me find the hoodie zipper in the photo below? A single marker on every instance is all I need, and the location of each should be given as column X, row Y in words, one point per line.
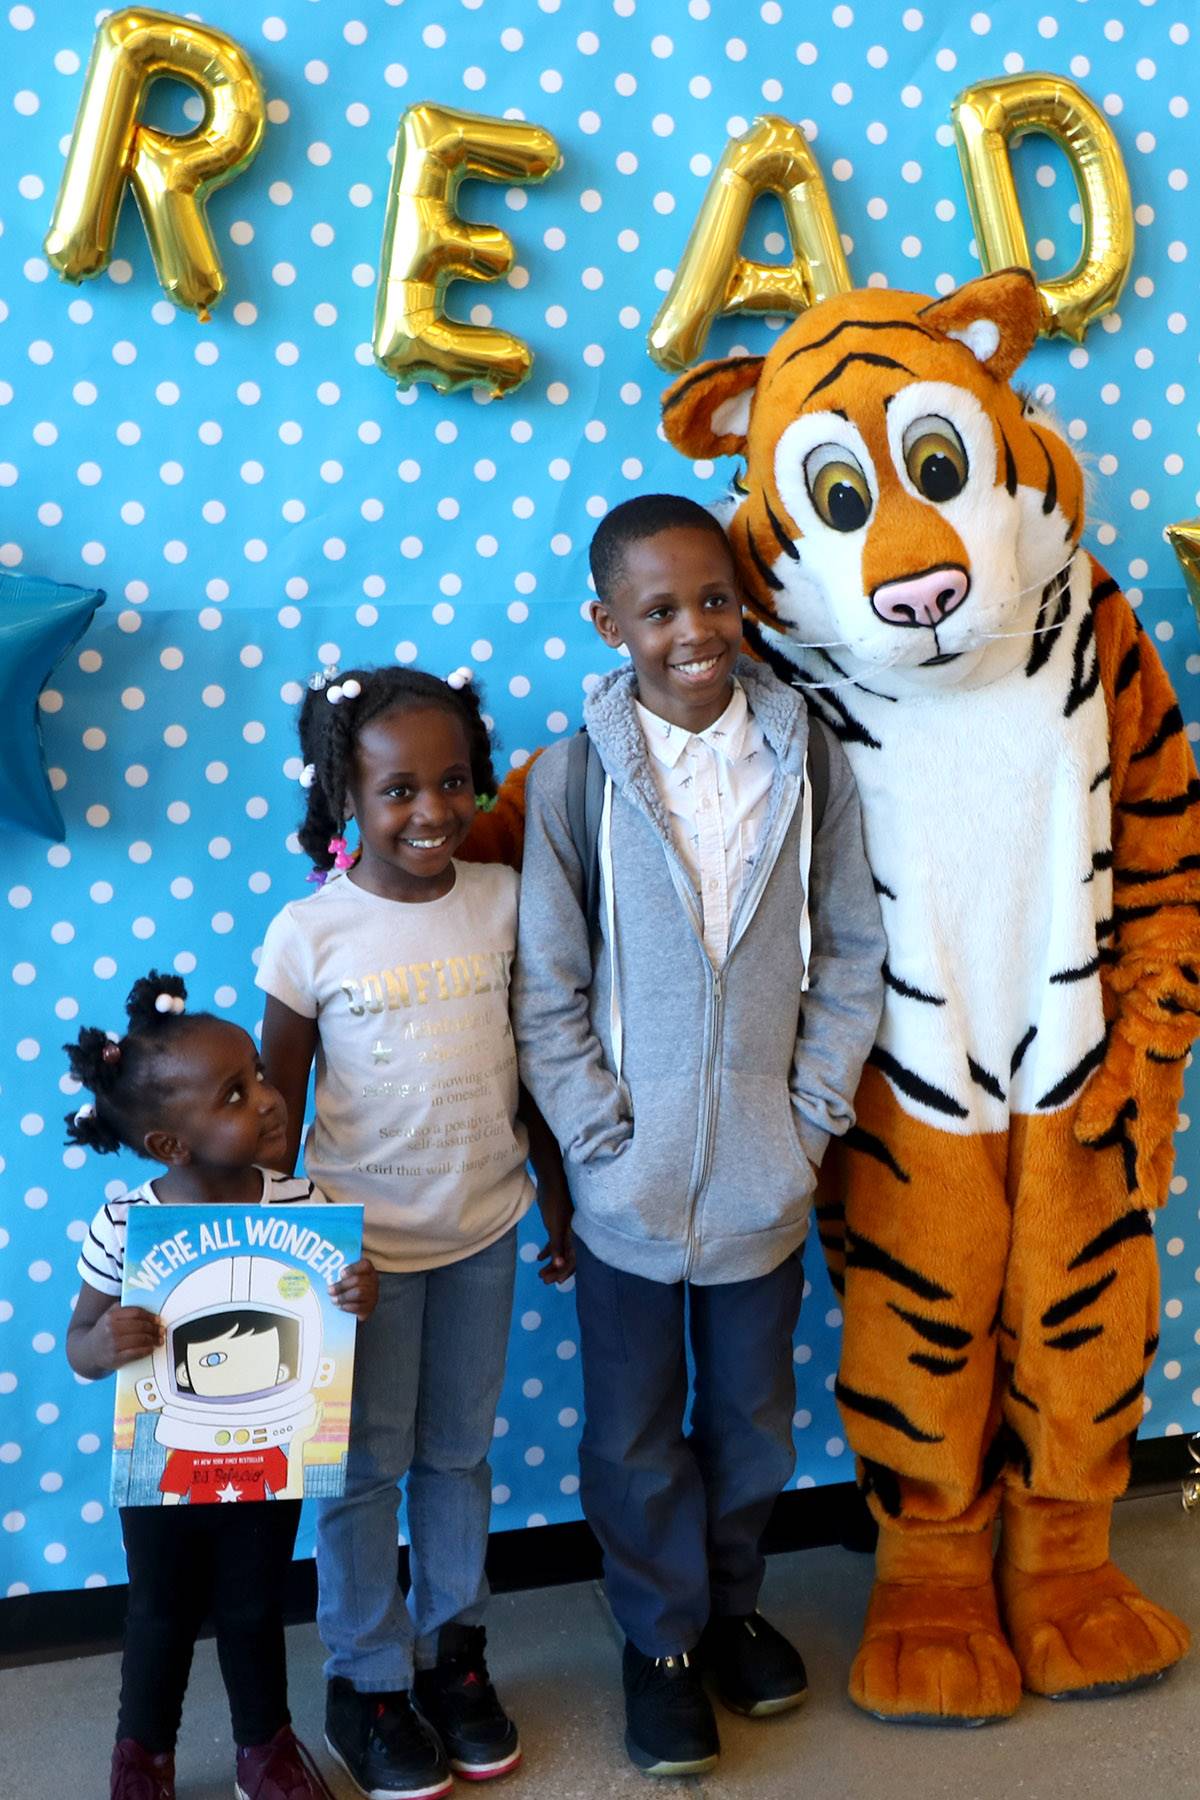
column 708, row 1117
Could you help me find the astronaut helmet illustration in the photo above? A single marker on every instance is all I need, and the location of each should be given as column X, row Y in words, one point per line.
column 241, row 1357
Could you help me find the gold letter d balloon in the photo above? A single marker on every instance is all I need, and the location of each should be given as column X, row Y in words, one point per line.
column 171, row 175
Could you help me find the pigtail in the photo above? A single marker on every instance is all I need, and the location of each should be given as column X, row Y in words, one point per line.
column 479, row 738
column 120, row 1073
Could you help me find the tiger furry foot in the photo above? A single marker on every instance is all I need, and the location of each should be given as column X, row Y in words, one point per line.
column 933, row 1651
column 1078, row 1626
column 1089, row 1633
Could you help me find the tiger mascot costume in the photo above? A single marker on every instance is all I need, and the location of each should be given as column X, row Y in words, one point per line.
column 908, row 533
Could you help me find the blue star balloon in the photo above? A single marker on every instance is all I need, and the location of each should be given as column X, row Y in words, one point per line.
column 39, row 621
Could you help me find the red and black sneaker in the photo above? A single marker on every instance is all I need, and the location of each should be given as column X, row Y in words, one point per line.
column 282, row 1769
column 457, row 1698
column 385, row 1747
column 137, row 1774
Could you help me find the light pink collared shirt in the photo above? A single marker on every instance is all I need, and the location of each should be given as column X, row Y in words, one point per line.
column 714, row 786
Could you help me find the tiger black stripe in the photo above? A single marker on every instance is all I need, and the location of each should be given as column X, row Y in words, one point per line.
column 855, row 356
column 1170, row 725
column 1104, row 590
column 869, row 1145
column 1050, row 497
column 1075, row 1340
column 1010, row 466
column 781, row 537
column 885, row 1412
column 937, row 1365
column 985, row 1079
column 1129, row 666
column 1018, row 1055
column 1099, row 780
column 1046, row 635
column 1018, row 1396
column 864, row 1253
column 1078, row 1302
column 1065, row 976
column 882, row 888
column 860, row 325
column 766, row 572
column 1169, row 806
column 705, row 374
column 1150, row 1345
column 1102, row 859
column 934, row 1331
column 1135, row 877
column 1074, row 1078
column 910, row 993
column 1125, row 915
column 915, row 1086
column 1157, row 1056
column 1083, row 686
column 1134, row 1223
column 1132, row 1393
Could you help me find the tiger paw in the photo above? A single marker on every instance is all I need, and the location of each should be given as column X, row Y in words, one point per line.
column 1086, row 1634
column 934, row 1654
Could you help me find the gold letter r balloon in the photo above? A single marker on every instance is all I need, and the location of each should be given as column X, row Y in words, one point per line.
column 171, row 175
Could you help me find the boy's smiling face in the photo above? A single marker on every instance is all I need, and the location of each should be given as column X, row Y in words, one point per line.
column 674, row 604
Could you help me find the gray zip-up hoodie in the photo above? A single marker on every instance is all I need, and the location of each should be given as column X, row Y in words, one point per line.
column 699, row 1163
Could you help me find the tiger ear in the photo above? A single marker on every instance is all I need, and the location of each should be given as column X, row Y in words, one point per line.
column 996, row 316
column 707, row 411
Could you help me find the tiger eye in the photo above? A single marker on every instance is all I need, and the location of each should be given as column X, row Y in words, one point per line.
column 838, row 488
column 935, row 459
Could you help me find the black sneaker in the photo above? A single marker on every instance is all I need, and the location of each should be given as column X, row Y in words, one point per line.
column 457, row 1698
column 385, row 1748
column 669, row 1723
column 754, row 1668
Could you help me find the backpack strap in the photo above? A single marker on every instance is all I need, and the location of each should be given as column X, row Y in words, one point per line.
column 585, row 805
column 818, row 770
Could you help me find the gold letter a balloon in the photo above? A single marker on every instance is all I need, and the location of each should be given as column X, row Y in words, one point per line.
column 171, row 175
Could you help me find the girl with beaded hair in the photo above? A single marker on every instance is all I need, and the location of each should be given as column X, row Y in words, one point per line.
column 187, row 1090
column 393, row 976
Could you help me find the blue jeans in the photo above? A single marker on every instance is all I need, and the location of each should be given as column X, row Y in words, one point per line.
column 679, row 1516
column 428, row 1368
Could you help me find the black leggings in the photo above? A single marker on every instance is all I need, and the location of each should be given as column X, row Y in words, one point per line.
column 187, row 1563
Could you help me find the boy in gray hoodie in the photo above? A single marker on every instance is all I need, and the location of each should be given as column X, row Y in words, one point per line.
column 693, row 1046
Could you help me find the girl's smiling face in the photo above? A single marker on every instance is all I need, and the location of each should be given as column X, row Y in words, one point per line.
column 221, row 1115
column 413, row 795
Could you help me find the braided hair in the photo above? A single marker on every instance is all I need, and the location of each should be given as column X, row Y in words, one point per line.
column 329, row 732
column 128, row 1076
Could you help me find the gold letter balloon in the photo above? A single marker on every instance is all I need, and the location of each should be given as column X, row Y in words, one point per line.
column 714, row 277
column 171, row 175
column 990, row 116
column 426, row 245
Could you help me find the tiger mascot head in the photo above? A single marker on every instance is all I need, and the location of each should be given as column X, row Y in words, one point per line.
column 903, row 510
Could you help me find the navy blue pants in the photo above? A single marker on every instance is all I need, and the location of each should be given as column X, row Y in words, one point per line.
column 679, row 1515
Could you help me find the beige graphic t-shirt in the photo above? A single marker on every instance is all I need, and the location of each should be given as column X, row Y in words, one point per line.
column 416, row 1065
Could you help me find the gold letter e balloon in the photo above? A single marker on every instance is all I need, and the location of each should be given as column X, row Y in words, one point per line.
column 171, row 174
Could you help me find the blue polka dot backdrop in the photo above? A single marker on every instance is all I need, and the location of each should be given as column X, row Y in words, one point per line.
column 258, row 500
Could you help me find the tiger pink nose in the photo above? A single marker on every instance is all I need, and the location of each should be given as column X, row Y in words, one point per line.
column 921, row 599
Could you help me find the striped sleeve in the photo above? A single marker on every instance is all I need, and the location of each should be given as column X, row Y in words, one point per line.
column 1152, row 957
column 102, row 1253
column 292, row 1190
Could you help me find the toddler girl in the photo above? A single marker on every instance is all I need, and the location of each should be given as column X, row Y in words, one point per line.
column 395, row 976
column 187, row 1090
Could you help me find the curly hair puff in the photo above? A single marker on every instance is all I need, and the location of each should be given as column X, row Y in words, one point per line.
column 126, row 1076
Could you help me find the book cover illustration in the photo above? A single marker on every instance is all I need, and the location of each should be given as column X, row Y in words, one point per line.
column 248, row 1397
